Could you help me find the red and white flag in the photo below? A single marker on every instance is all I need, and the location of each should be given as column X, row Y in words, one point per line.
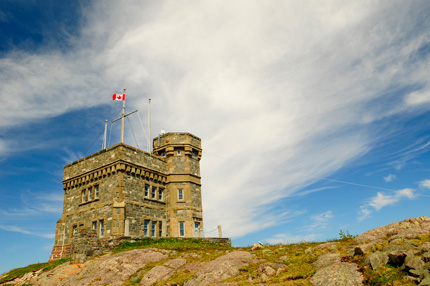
column 118, row 96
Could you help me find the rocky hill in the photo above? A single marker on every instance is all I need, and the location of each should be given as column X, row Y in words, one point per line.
column 396, row 254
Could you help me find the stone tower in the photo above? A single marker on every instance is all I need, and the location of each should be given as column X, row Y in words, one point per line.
column 123, row 191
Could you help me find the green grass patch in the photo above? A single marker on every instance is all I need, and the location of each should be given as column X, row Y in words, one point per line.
column 18, row 272
column 171, row 244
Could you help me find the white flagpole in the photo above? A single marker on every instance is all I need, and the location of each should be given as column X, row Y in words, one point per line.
column 122, row 118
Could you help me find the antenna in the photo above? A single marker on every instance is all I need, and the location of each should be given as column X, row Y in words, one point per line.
column 149, row 127
column 104, row 138
column 122, row 119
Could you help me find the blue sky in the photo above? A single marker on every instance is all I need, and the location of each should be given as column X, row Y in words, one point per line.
column 313, row 117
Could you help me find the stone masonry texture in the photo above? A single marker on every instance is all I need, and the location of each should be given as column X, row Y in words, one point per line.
column 123, row 191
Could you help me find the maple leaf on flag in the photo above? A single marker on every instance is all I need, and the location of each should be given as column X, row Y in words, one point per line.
column 118, row 96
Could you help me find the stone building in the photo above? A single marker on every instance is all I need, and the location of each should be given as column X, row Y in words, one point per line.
column 123, row 191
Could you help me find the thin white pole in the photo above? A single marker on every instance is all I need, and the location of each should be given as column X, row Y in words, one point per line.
column 104, row 138
column 122, row 119
column 149, row 127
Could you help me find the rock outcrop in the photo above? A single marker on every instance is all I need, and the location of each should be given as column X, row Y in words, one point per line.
column 403, row 246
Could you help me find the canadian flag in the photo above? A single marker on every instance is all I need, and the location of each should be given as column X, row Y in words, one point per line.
column 118, row 96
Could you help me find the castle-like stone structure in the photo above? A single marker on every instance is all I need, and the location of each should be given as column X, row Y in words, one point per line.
column 123, row 191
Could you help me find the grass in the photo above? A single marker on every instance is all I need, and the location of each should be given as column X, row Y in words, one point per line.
column 171, row 244
column 299, row 262
column 45, row 266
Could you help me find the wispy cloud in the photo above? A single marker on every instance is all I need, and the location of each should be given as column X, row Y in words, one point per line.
column 283, row 238
column 24, row 231
column 36, row 203
column 382, row 200
column 319, row 221
column 390, row 178
column 425, row 184
column 265, row 87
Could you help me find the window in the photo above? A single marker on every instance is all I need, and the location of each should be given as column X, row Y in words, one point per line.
column 196, row 229
column 179, row 151
column 163, row 153
column 145, row 227
column 160, row 194
column 96, row 191
column 182, row 228
column 95, row 225
column 74, row 229
column 194, row 153
column 160, row 229
column 153, row 228
column 102, row 228
column 154, row 193
column 146, row 191
column 90, row 193
column 84, row 196
column 180, row 194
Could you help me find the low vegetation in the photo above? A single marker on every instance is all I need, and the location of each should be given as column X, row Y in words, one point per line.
column 295, row 262
column 18, row 272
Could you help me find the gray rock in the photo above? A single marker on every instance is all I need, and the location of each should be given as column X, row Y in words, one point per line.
column 363, row 248
column 338, row 274
column 414, row 266
column 156, row 274
column 220, row 269
column 425, row 282
column 376, row 259
column 327, row 259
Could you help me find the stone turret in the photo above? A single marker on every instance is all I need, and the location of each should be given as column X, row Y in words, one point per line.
column 182, row 152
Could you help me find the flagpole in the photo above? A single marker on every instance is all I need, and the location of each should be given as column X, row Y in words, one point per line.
column 122, row 118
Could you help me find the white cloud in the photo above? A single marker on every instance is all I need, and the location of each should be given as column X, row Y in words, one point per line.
column 425, row 184
column 418, row 97
column 382, row 200
column 319, row 221
column 390, row 178
column 283, row 238
column 274, row 89
column 24, row 231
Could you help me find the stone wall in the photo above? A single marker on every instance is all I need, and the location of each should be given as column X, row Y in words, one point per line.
column 85, row 245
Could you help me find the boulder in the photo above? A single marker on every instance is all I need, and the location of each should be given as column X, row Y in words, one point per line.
column 376, row 259
column 414, row 266
column 344, row 274
column 327, row 259
column 220, row 269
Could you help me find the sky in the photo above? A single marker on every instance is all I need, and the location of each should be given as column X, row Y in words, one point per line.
column 314, row 116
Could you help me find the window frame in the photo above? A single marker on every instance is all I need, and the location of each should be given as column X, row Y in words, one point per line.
column 181, row 228
column 146, row 191
column 180, row 194
column 154, row 192
column 153, row 228
column 145, row 228
column 101, row 227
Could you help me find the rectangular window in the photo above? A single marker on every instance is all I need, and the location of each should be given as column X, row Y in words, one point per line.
column 102, row 227
column 145, row 227
column 163, row 153
column 180, row 194
column 90, row 194
column 84, row 196
column 96, row 191
column 95, row 225
column 194, row 153
column 154, row 193
column 153, row 228
column 182, row 228
column 160, row 194
column 179, row 151
column 160, row 229
column 196, row 229
column 146, row 191
column 74, row 229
